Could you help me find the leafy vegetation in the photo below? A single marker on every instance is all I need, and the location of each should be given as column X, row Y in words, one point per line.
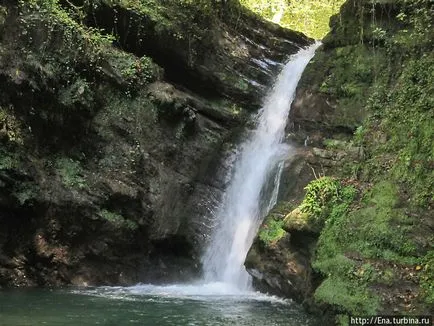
column 309, row 17
column 71, row 173
column 8, row 160
column 319, row 194
column 271, row 231
column 69, row 48
column 85, row 42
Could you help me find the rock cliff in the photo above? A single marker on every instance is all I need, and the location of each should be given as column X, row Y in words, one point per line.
column 114, row 117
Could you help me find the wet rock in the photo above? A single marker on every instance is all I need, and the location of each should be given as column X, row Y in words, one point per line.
column 284, row 268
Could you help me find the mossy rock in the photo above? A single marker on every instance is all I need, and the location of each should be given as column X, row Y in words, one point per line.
column 297, row 220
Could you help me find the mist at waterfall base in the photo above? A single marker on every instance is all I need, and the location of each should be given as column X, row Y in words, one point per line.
column 224, row 296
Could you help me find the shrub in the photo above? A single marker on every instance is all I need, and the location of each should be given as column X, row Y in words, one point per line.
column 271, row 231
column 71, row 173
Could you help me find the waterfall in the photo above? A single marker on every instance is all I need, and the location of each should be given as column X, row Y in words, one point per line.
column 245, row 202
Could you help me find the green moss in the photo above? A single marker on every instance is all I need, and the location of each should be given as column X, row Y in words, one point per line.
column 118, row 220
column 405, row 112
column 297, row 220
column 377, row 229
column 347, row 284
column 347, row 296
column 344, row 76
column 336, row 144
column 387, row 276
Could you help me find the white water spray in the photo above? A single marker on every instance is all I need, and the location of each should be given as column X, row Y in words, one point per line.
column 243, row 207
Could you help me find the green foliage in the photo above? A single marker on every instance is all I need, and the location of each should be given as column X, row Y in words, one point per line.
column 78, row 92
column 397, row 94
column 87, row 43
column 140, row 72
column 427, row 277
column 335, row 144
column 118, row 220
column 345, row 75
column 326, row 197
column 372, row 231
column 319, row 194
column 416, row 16
column 56, row 39
column 271, row 231
column 71, row 173
column 309, row 17
column 8, row 160
column 347, row 284
column 397, row 75
column 134, row 72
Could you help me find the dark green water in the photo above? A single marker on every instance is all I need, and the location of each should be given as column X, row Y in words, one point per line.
column 145, row 305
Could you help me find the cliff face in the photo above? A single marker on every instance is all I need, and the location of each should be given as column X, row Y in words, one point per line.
column 358, row 238
column 109, row 145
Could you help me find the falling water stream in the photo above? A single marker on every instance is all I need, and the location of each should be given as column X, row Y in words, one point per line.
column 224, row 296
column 242, row 209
